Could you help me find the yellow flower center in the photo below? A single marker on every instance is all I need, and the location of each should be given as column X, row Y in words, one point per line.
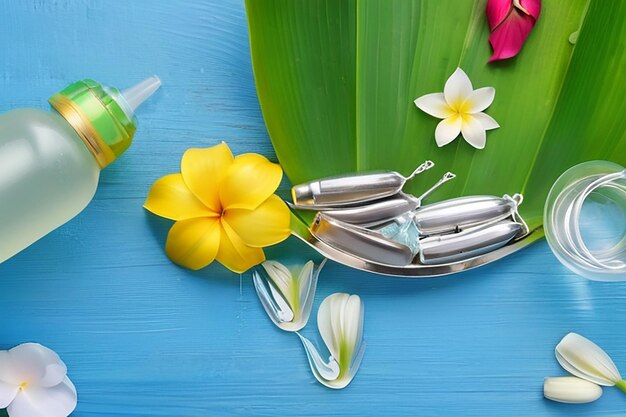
column 23, row 386
column 461, row 109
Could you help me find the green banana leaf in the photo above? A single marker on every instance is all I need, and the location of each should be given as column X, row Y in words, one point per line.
column 336, row 81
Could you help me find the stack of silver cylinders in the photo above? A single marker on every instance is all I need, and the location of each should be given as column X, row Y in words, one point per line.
column 352, row 211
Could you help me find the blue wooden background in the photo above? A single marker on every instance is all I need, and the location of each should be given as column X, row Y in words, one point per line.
column 142, row 337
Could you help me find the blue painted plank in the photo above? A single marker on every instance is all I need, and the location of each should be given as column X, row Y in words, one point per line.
column 143, row 337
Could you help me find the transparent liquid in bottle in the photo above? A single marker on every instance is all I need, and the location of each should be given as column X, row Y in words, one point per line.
column 50, row 162
column 47, row 176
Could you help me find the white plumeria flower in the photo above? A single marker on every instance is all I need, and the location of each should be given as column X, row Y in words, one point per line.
column 570, row 389
column 34, row 383
column 583, row 358
column 291, row 293
column 461, row 108
column 340, row 322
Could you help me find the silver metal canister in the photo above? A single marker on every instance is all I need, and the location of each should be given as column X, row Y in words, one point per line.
column 439, row 249
column 377, row 212
column 458, row 214
column 352, row 189
column 358, row 241
column 383, row 211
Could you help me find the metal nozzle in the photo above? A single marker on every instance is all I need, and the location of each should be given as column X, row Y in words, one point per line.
column 446, row 177
column 302, row 195
column 425, row 166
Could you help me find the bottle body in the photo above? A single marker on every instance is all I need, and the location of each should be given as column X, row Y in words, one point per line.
column 47, row 176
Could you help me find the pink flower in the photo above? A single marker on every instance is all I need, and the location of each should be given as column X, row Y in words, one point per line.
column 510, row 22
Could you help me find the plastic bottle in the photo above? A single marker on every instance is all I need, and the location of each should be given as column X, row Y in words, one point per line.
column 585, row 220
column 50, row 162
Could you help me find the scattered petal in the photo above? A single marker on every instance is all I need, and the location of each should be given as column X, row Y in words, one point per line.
column 203, row 171
column 273, row 301
column 507, row 40
column 329, row 322
column 497, row 11
column 510, row 21
column 570, row 389
column 169, row 197
column 283, row 279
column 290, row 299
column 352, row 326
column 307, row 281
column 340, row 322
column 584, row 359
column 323, row 371
column 532, row 7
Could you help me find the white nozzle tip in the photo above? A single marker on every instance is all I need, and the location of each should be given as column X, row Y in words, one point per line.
column 139, row 93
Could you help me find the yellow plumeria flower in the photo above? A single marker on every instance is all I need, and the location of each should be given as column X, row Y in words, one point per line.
column 224, row 207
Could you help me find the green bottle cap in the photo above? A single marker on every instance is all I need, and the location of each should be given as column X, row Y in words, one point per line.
column 103, row 116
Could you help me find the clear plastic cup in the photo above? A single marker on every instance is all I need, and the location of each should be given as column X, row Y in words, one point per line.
column 585, row 220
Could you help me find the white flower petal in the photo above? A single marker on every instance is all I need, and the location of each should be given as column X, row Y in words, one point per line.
column 305, row 276
column 473, row 132
column 324, row 372
column 57, row 401
column 479, row 100
column 340, row 322
column 280, row 275
column 290, row 306
column 569, row 389
column 307, row 279
column 356, row 361
column 6, row 368
column 273, row 302
column 329, row 322
column 36, row 364
column 487, row 121
column 9, row 372
column 434, row 104
column 352, row 325
column 583, row 358
column 447, row 130
column 457, row 88
column 286, row 311
column 7, row 393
